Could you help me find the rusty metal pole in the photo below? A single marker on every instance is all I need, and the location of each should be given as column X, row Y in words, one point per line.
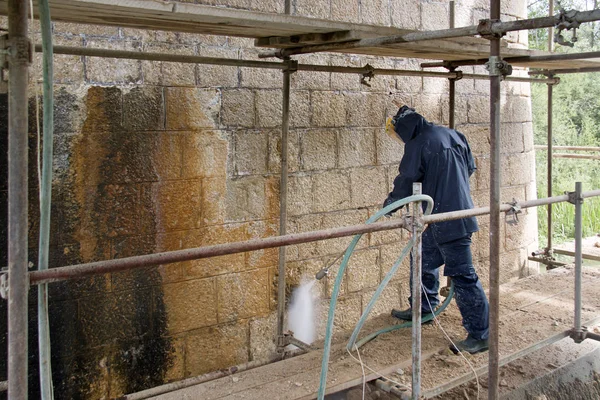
column 494, row 320
column 577, row 199
column 551, row 29
column 549, row 169
column 417, row 230
column 451, row 101
column 283, row 188
column 18, row 279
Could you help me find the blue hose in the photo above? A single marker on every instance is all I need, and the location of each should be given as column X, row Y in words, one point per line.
column 338, row 280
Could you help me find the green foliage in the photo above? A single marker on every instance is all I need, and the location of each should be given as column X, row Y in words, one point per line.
column 576, row 122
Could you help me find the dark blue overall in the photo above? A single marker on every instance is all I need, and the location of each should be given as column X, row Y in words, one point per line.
column 440, row 158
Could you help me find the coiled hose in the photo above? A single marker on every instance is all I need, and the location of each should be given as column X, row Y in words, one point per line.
column 338, row 280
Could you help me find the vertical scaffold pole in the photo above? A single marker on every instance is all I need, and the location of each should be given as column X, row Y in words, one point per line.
column 18, row 281
column 549, row 167
column 283, row 188
column 578, row 200
column 493, row 364
column 417, row 230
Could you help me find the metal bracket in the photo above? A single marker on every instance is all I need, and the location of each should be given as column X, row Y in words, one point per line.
column 515, row 210
column 458, row 77
column 288, row 338
column 20, row 50
column 574, row 198
column 579, row 336
column 498, row 67
column 566, row 22
column 485, row 29
column 291, row 66
column 4, row 283
column 369, row 73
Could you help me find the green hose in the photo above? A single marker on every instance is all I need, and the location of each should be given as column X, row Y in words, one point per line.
column 338, row 280
column 45, row 202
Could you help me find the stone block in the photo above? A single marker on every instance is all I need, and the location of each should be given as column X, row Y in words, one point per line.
column 178, row 204
column 356, row 147
column 217, row 347
column 259, row 78
column 176, row 370
column 218, row 75
column 435, row 15
column 375, row 12
column 390, row 298
column 243, row 295
column 345, row 10
column 192, row 108
column 103, row 110
column 313, row 8
column 482, row 175
column 183, row 300
column 406, row 14
column 213, row 206
column 318, row 149
column 511, row 265
column 460, row 110
column 389, row 256
column 478, row 109
column 519, row 108
column 268, row 108
column 312, row 80
column 179, row 74
column 87, row 30
column 274, row 153
column 336, row 220
column 366, row 110
column 270, row 6
column 436, row 85
column 252, row 198
column 204, row 154
column 238, row 108
column 345, row 81
column 512, row 140
column 363, row 270
column 329, row 109
column 519, row 169
column 300, row 194
column 478, row 136
column 111, row 71
column 331, row 191
column 263, row 331
column 368, row 186
column 429, row 106
column 516, row 8
column 347, row 313
column 300, row 109
column 67, row 69
column 143, row 109
column 389, row 151
column 116, row 206
column 480, row 247
column 250, row 152
column 305, row 223
column 517, row 234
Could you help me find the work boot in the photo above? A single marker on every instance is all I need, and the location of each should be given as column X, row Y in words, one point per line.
column 470, row 345
column 406, row 315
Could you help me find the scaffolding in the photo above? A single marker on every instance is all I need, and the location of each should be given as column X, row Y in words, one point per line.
column 287, row 34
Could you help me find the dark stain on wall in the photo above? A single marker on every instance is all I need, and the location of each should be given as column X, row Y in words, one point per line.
column 108, row 333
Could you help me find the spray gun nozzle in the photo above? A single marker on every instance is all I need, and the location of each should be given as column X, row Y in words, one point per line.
column 322, row 274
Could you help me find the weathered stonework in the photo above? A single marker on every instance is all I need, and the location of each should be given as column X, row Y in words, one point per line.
column 154, row 157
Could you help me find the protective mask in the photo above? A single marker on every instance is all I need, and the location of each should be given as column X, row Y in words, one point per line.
column 391, row 131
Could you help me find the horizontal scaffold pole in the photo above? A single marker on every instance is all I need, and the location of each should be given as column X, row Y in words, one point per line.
column 189, row 59
column 491, row 28
column 122, row 264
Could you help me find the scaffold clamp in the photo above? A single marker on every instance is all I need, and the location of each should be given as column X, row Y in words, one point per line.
column 515, row 210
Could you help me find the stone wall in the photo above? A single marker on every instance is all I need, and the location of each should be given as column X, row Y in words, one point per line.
column 157, row 156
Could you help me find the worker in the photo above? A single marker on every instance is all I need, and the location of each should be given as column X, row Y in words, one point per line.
column 440, row 158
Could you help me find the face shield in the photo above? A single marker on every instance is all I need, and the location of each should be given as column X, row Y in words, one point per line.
column 390, row 130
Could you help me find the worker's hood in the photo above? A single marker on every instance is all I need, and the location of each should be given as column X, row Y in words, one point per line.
column 408, row 123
